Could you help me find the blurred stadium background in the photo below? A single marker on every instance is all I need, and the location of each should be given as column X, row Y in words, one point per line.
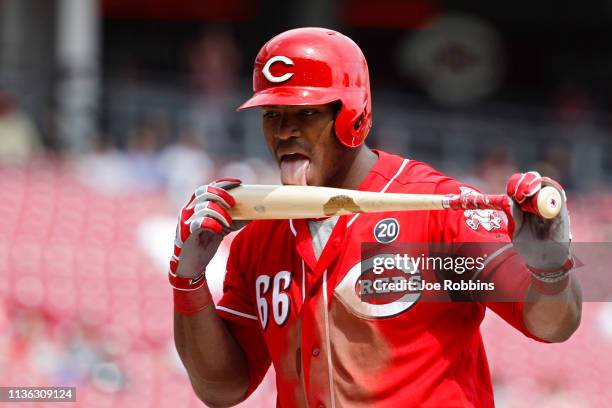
column 112, row 111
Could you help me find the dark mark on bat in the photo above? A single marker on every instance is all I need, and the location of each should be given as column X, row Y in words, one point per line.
column 338, row 203
column 260, row 208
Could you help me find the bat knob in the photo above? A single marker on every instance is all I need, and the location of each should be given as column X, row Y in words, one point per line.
column 549, row 202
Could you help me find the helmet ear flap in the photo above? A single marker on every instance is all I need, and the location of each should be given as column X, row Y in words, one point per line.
column 344, row 127
column 351, row 130
column 352, row 126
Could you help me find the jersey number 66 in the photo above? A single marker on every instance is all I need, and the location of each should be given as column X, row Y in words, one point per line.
column 280, row 301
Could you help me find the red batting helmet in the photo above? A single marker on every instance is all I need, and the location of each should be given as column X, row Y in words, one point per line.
column 315, row 66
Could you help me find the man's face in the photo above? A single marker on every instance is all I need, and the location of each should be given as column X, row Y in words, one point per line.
column 302, row 140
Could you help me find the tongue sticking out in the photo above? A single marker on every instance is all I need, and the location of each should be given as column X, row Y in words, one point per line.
column 293, row 170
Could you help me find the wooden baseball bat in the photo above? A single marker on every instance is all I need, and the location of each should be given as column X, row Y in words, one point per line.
column 261, row 202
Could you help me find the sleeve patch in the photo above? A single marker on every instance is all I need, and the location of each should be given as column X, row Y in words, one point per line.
column 489, row 220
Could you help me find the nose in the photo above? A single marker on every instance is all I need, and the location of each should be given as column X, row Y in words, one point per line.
column 287, row 127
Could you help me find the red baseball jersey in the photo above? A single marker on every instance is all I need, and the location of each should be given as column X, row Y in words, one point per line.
column 330, row 347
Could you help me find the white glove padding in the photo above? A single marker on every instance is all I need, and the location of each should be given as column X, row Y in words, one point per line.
column 202, row 224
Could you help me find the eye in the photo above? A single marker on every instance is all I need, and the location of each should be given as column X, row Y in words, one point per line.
column 308, row 112
column 270, row 114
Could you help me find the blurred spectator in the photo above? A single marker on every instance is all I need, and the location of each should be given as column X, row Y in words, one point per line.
column 239, row 169
column 105, row 169
column 111, row 170
column 19, row 138
column 493, row 172
column 213, row 63
column 555, row 165
column 143, row 146
column 250, row 170
column 571, row 105
column 185, row 166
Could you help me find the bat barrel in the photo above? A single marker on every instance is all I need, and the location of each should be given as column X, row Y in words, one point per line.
column 283, row 202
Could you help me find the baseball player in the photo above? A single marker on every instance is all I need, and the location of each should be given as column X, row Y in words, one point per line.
column 291, row 292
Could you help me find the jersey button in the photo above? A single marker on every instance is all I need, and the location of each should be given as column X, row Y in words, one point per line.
column 321, row 406
column 316, row 351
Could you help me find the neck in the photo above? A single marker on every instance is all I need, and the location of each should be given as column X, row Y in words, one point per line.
column 358, row 167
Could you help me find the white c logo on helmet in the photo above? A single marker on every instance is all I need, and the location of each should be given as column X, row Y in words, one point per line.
column 276, row 79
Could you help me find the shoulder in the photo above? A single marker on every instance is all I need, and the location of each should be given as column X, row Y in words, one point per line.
column 409, row 175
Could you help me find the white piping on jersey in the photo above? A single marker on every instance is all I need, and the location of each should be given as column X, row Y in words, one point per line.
column 237, row 313
column 328, row 345
column 292, row 227
column 303, row 282
column 490, row 258
column 399, row 171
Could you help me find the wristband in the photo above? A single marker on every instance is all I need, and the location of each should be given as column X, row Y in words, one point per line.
column 191, row 295
column 552, row 282
column 544, row 273
column 551, row 288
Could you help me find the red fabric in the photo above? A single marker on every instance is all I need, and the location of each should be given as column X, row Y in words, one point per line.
column 426, row 353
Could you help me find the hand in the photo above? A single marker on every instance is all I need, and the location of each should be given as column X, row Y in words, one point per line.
column 202, row 224
column 543, row 244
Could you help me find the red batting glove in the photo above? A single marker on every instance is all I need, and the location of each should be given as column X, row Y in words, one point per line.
column 202, row 224
column 543, row 244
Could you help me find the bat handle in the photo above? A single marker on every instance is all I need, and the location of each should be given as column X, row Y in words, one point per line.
column 546, row 203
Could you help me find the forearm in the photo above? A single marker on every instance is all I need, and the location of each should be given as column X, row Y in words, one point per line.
column 556, row 317
column 215, row 362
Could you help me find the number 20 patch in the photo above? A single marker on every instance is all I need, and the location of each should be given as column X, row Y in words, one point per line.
column 386, row 230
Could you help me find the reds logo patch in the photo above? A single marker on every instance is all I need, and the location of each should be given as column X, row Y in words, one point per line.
column 488, row 219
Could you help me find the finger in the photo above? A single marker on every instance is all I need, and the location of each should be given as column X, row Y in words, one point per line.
column 182, row 229
column 523, row 185
column 213, row 210
column 178, row 241
column 207, row 223
column 227, row 183
column 513, row 183
column 532, row 183
column 521, row 190
column 174, row 261
column 189, row 203
column 213, row 193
